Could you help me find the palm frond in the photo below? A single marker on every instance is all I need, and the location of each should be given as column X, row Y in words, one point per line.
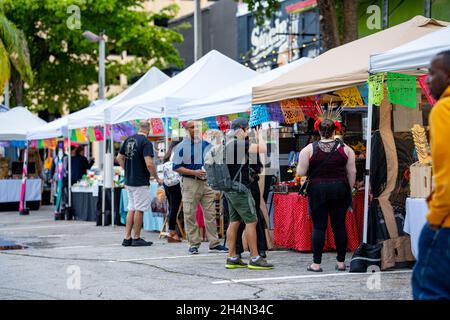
column 16, row 45
column 5, row 68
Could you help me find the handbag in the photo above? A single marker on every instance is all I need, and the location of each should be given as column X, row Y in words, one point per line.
column 303, row 191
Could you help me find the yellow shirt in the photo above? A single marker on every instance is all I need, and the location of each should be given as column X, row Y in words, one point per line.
column 439, row 202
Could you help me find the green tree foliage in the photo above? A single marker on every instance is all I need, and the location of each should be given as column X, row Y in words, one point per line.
column 64, row 63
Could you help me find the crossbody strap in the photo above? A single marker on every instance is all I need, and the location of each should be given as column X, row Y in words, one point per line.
column 312, row 174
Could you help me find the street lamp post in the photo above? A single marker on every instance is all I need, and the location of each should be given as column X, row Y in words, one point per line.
column 92, row 37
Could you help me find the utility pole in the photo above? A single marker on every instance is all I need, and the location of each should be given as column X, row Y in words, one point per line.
column 385, row 14
column 101, row 73
column 6, row 99
column 198, row 30
column 427, row 8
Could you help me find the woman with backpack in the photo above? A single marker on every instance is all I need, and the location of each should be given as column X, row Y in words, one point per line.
column 173, row 192
column 330, row 167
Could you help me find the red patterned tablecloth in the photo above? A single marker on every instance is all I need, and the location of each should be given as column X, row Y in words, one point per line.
column 293, row 225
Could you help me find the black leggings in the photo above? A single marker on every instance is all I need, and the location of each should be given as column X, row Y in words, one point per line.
column 173, row 194
column 338, row 211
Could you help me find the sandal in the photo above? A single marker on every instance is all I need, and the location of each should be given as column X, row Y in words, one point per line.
column 173, row 238
column 340, row 269
column 314, row 270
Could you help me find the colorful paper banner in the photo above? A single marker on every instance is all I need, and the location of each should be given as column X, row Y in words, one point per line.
column 275, row 112
column 402, row 89
column 223, row 123
column 426, row 90
column 258, row 115
column 364, row 92
column 350, row 97
column 292, row 111
column 308, row 106
column 157, row 126
column 376, row 88
column 211, row 123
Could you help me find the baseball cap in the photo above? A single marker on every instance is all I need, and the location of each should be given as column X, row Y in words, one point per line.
column 239, row 123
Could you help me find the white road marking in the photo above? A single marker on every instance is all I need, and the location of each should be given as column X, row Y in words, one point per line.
column 306, row 277
column 171, row 257
column 40, row 227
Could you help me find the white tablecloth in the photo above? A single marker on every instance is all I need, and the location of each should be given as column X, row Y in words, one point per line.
column 93, row 190
column 416, row 211
column 10, row 190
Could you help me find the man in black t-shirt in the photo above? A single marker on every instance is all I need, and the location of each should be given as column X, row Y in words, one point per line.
column 240, row 154
column 135, row 157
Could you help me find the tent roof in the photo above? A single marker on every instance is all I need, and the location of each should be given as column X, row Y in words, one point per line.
column 53, row 129
column 344, row 66
column 212, row 72
column 96, row 116
column 235, row 98
column 16, row 122
column 412, row 55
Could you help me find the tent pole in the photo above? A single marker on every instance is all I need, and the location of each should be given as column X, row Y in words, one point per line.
column 69, row 160
column 367, row 171
column 166, row 128
column 112, row 165
column 104, row 176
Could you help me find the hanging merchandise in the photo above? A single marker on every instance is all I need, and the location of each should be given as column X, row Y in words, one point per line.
column 275, row 112
column 376, row 88
column 33, row 144
column 211, row 123
column 258, row 115
column 224, row 123
column 364, row 92
column 426, row 90
column 157, row 126
column 292, row 111
column 78, row 135
column 41, row 144
column 308, row 106
column 402, row 89
column 350, row 97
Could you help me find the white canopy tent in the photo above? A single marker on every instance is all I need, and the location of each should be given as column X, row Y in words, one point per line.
column 16, row 122
column 235, row 98
column 211, row 73
column 412, row 55
column 96, row 116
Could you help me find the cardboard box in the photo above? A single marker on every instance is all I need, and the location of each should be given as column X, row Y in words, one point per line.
column 421, row 180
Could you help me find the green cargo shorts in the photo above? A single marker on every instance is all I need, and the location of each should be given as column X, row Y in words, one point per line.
column 241, row 207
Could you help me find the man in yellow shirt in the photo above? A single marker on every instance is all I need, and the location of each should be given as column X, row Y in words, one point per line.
column 431, row 276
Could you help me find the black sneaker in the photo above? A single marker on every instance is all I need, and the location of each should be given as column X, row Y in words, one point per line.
column 218, row 248
column 259, row 264
column 193, row 250
column 126, row 242
column 140, row 243
column 235, row 263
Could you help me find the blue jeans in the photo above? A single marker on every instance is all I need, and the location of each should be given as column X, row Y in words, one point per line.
column 431, row 275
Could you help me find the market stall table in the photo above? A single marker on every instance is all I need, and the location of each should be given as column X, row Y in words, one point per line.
column 415, row 219
column 10, row 190
column 293, row 224
column 152, row 221
column 84, row 203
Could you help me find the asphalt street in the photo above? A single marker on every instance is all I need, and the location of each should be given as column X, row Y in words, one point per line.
column 78, row 260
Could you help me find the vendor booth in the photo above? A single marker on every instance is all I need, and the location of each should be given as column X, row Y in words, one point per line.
column 413, row 58
column 340, row 76
column 14, row 185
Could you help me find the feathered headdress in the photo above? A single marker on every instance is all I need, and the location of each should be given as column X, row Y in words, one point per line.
column 330, row 114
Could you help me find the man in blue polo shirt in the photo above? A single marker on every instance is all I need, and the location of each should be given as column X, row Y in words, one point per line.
column 188, row 161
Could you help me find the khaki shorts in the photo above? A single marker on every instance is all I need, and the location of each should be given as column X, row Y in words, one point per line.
column 241, row 207
column 139, row 198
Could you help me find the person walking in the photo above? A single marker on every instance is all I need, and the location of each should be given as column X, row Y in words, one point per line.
column 430, row 280
column 135, row 157
column 188, row 162
column 330, row 167
column 241, row 204
column 172, row 188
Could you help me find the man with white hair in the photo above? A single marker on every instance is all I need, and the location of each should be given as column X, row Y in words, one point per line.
column 188, row 162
